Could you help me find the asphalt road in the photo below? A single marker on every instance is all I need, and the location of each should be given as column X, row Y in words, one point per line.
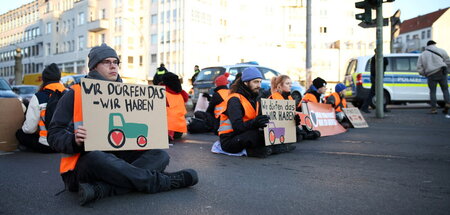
column 400, row 165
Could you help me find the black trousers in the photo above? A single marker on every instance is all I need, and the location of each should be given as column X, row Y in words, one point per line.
column 31, row 141
column 368, row 100
column 124, row 171
column 249, row 139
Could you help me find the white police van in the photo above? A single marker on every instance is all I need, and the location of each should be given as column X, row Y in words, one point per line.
column 402, row 82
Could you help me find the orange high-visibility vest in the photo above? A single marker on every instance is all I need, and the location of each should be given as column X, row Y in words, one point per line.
column 176, row 110
column 218, row 109
column 69, row 161
column 309, row 97
column 53, row 87
column 249, row 113
column 278, row 96
column 338, row 103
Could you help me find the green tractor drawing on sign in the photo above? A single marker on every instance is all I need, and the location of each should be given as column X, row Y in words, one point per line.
column 119, row 130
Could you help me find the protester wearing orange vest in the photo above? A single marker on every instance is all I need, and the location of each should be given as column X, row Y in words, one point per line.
column 217, row 102
column 338, row 101
column 281, row 89
column 315, row 91
column 241, row 122
column 98, row 174
column 176, row 108
column 33, row 134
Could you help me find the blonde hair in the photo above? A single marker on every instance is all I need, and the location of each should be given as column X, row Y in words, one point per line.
column 277, row 81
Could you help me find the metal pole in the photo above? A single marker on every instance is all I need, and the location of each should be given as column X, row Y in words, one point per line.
column 18, row 67
column 379, row 64
column 308, row 43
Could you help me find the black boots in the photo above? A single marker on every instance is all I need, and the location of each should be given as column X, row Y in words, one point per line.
column 282, row 148
column 259, row 152
column 183, row 178
column 90, row 192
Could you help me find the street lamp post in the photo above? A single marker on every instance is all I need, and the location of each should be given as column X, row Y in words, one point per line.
column 18, row 67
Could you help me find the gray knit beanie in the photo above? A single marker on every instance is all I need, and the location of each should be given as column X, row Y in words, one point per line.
column 99, row 53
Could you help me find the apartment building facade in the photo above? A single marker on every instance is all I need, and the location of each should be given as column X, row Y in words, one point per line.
column 416, row 32
column 184, row 33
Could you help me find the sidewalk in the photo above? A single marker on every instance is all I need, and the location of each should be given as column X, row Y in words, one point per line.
column 399, row 165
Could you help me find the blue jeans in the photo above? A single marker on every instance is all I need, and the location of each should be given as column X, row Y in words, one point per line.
column 440, row 78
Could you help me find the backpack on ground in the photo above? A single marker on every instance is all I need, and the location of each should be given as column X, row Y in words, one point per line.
column 53, row 100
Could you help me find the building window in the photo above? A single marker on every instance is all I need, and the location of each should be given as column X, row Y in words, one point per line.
column 168, row 16
column 56, row 48
column 130, row 59
column 48, row 49
column 423, row 35
column 323, row 30
column 407, row 37
column 168, row 37
column 153, row 58
column 141, row 60
column 57, row 26
column 174, row 14
column 162, row 17
column 102, row 38
column 428, row 34
column 154, row 39
column 103, row 13
column 81, row 18
column 154, row 19
column 49, row 27
column 80, row 43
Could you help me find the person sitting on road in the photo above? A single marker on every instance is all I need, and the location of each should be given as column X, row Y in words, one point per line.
column 217, row 101
column 315, row 91
column 241, row 121
column 337, row 101
column 176, row 107
column 98, row 174
column 281, row 90
column 33, row 134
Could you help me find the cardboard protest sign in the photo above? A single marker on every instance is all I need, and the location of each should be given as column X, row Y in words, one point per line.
column 323, row 118
column 281, row 127
column 355, row 117
column 120, row 116
column 12, row 118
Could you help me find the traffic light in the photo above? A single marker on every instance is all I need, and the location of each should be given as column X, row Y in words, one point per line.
column 367, row 15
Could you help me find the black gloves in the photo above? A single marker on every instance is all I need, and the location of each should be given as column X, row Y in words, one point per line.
column 297, row 120
column 207, row 96
column 261, row 121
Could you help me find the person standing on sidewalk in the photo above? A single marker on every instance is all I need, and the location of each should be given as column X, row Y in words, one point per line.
column 373, row 71
column 33, row 134
column 196, row 72
column 433, row 63
column 160, row 71
column 241, row 122
column 98, row 174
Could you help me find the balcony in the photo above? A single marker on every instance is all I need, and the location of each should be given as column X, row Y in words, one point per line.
column 97, row 25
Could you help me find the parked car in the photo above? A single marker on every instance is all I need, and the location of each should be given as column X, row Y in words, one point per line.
column 25, row 92
column 205, row 79
column 402, row 82
column 6, row 90
column 71, row 79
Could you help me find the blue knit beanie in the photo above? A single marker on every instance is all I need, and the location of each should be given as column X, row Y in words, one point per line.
column 339, row 87
column 250, row 73
column 99, row 53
